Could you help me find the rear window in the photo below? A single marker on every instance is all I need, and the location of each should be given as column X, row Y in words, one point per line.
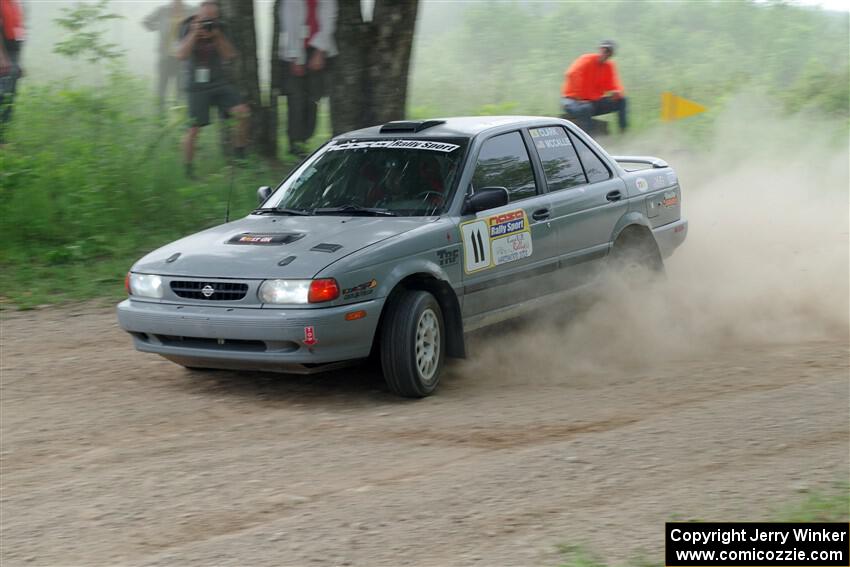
column 594, row 167
column 558, row 156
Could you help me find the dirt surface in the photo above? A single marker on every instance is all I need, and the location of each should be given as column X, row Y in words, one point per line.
column 719, row 393
column 115, row 457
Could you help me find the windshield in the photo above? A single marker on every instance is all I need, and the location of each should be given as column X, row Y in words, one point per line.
column 404, row 177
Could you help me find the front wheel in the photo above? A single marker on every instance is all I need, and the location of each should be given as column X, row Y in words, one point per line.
column 412, row 344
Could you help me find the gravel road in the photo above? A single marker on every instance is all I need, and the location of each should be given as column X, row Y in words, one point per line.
column 721, row 393
column 112, row 457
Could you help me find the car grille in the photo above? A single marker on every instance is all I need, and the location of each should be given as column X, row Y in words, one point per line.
column 213, row 344
column 209, row 291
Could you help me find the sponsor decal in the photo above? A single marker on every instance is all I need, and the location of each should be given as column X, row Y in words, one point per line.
column 512, row 248
column 659, row 181
column 506, row 223
column 309, row 336
column 448, row 257
column 403, row 144
column 495, row 240
column 360, row 290
column 546, row 132
column 550, row 138
column 670, row 199
column 557, row 142
column 262, row 239
column 641, row 184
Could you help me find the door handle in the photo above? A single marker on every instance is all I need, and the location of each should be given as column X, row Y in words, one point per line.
column 540, row 214
column 614, row 195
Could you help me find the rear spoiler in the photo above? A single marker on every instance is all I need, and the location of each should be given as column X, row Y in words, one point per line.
column 655, row 162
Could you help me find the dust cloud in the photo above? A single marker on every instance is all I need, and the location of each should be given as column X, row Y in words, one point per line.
column 765, row 261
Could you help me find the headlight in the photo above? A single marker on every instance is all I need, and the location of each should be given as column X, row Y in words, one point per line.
column 285, row 291
column 145, row 285
column 298, row 292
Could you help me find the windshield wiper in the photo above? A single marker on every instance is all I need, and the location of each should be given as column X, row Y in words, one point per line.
column 281, row 211
column 354, row 210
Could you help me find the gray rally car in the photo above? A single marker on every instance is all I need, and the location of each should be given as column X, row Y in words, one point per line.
column 398, row 239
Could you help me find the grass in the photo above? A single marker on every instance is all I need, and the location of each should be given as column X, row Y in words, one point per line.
column 831, row 505
column 93, row 179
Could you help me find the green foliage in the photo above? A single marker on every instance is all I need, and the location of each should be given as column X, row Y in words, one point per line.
column 830, row 505
column 84, row 40
column 511, row 56
column 93, row 179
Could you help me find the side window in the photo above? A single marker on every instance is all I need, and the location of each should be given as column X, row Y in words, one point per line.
column 560, row 162
column 594, row 167
column 503, row 162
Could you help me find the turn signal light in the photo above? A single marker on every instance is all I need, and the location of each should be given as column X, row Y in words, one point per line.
column 127, row 283
column 355, row 315
column 322, row 290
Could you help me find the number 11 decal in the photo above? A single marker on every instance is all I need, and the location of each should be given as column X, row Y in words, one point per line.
column 476, row 246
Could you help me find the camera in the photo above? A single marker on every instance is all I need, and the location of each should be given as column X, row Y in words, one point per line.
column 209, row 25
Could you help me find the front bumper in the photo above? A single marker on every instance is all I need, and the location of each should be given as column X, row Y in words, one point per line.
column 255, row 339
column 670, row 236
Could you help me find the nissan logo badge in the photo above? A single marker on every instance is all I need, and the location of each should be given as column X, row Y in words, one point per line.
column 208, row 290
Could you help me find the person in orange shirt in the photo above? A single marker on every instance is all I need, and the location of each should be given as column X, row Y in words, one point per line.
column 11, row 40
column 592, row 87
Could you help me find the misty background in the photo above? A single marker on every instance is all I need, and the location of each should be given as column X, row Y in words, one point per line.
column 486, row 57
column 97, row 174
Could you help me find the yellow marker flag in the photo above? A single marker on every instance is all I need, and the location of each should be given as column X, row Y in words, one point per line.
column 675, row 107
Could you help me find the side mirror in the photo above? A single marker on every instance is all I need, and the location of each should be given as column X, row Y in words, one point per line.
column 263, row 193
column 484, row 199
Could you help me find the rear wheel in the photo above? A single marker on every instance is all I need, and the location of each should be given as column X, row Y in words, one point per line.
column 413, row 344
column 635, row 257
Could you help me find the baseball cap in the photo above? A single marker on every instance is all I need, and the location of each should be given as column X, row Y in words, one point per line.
column 609, row 44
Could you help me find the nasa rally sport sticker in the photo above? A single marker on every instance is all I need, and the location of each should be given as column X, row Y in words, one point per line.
column 495, row 240
column 395, row 144
column 641, row 184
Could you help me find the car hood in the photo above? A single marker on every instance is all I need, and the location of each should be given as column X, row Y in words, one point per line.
column 272, row 246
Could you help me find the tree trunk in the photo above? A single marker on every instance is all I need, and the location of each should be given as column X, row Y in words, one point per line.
column 393, row 24
column 370, row 78
column 349, row 93
column 239, row 15
column 275, row 74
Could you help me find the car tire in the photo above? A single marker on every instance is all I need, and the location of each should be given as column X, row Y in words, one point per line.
column 413, row 344
column 636, row 257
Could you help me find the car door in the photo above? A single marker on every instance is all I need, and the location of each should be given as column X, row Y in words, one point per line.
column 508, row 248
column 586, row 199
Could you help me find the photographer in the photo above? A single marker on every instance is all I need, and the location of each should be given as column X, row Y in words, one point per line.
column 205, row 47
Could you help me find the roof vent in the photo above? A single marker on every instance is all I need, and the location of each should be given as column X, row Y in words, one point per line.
column 411, row 126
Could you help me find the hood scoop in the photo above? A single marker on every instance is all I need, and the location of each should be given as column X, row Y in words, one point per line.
column 325, row 247
column 266, row 238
